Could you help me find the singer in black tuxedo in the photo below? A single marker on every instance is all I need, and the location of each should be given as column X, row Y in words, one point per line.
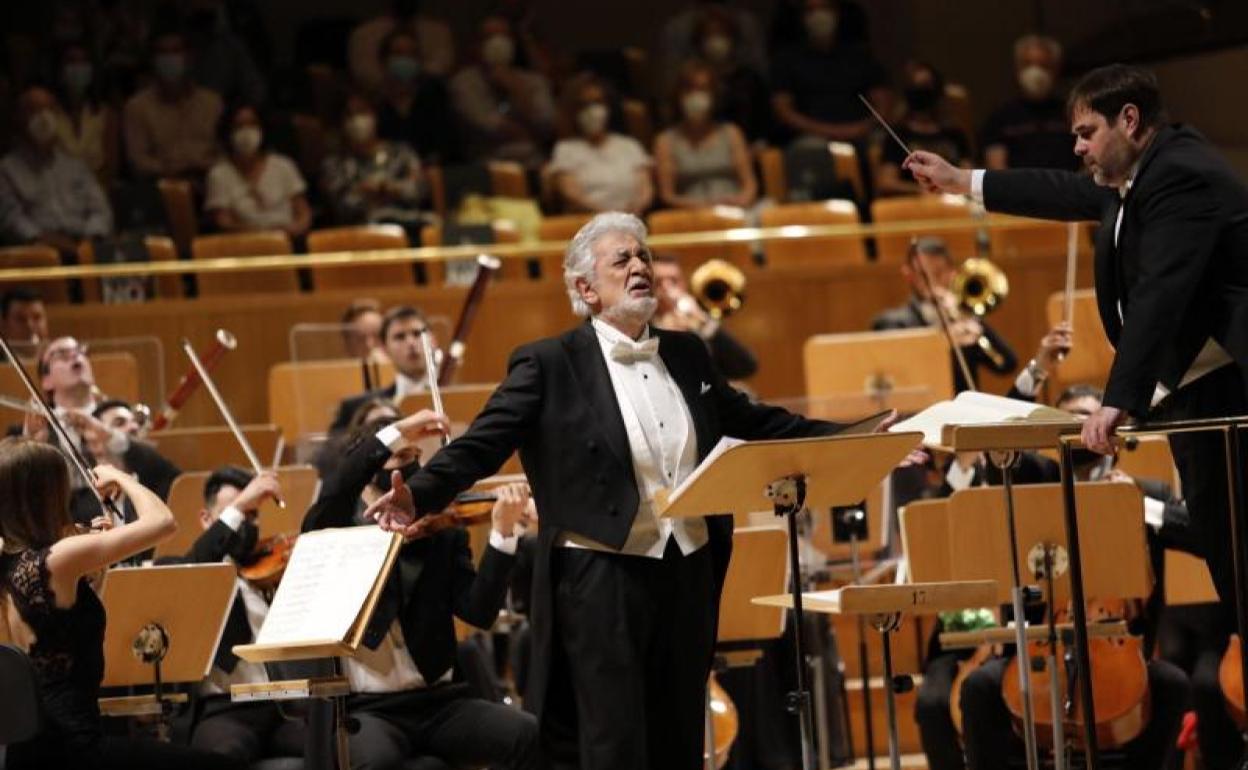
column 622, row 641
column 1171, row 271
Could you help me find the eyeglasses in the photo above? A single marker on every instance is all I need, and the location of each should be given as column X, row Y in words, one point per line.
column 66, row 354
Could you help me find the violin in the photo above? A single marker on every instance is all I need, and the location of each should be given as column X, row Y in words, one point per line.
column 267, row 563
column 724, row 721
column 1119, row 686
column 466, row 510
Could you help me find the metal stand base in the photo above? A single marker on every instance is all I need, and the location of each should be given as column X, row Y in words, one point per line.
column 886, row 625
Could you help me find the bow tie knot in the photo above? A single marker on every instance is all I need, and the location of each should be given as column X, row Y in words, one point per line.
column 630, row 352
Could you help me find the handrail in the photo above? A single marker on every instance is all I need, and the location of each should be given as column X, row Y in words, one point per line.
column 505, row 250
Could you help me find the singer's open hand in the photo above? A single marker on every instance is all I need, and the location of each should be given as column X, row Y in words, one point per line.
column 395, row 511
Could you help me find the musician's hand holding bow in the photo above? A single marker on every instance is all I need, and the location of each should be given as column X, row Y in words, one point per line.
column 35, row 426
column 94, row 432
column 1054, row 346
column 937, row 175
column 423, row 424
column 513, row 510
column 263, row 486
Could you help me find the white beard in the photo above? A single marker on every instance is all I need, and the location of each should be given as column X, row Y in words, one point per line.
column 632, row 310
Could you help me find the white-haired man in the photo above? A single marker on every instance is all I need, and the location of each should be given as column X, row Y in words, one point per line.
column 624, row 605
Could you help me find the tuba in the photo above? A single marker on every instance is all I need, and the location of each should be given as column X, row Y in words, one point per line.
column 719, row 287
column 979, row 288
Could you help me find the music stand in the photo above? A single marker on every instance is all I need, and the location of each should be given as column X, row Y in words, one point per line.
column 823, row 472
column 156, row 637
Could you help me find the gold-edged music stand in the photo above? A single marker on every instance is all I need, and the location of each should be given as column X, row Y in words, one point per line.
column 884, row 605
column 793, row 473
column 156, row 637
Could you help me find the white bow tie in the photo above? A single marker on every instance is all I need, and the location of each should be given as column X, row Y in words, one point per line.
column 630, row 352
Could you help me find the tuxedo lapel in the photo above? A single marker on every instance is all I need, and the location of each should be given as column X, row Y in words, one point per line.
column 690, row 384
column 1106, row 276
column 594, row 383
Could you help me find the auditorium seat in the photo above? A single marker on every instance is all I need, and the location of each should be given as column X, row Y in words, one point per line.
column 813, row 252
column 558, row 229
column 161, row 248
column 507, row 179
column 668, row 221
column 845, row 159
column 770, row 162
column 181, row 217
column 892, row 249
column 254, row 244
column 359, row 238
column 1037, row 238
column 513, row 269
column 34, row 255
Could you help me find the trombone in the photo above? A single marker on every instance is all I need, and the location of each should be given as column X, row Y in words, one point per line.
column 719, row 287
column 979, row 287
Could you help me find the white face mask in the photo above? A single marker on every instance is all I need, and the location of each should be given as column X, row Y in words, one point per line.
column 592, row 119
column 42, row 127
column 246, row 140
column 821, row 24
column 498, row 50
column 1035, row 81
column 360, row 127
column 696, row 104
column 717, row 48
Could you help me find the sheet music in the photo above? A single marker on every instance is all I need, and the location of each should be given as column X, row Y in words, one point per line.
column 725, row 443
column 973, row 408
column 330, row 574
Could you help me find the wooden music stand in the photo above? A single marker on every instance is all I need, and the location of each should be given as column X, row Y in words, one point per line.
column 792, row 473
column 147, row 610
column 906, row 369
column 207, row 448
column 304, row 395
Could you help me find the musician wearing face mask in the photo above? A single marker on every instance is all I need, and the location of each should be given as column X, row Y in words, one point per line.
column 370, row 179
column 1031, row 131
column 46, row 195
column 921, row 129
column 170, row 126
column 404, row 698
column 251, row 188
column 599, row 169
column 701, row 161
column 507, row 109
column 415, row 105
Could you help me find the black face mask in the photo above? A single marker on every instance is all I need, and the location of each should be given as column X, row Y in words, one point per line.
column 381, row 479
column 922, row 99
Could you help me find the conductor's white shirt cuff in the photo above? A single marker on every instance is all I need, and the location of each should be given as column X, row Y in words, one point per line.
column 507, row 545
column 390, row 436
column 231, row 517
column 977, row 186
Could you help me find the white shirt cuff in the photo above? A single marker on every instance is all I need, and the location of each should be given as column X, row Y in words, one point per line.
column 231, row 517
column 507, row 545
column 118, row 443
column 1154, row 513
column 977, row 186
column 1025, row 383
column 958, row 477
column 391, row 437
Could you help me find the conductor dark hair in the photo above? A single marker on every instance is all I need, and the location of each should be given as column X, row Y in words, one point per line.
column 1080, row 390
column 225, row 476
column 1106, row 90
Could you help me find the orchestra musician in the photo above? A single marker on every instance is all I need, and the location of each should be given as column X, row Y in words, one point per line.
column 400, row 338
column 361, row 329
column 403, row 697
column 624, row 604
column 1171, row 272
column 678, row 311
column 930, row 254
column 23, row 316
column 49, row 610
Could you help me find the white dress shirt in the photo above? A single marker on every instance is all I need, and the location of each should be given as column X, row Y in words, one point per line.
column 661, row 443
column 256, row 608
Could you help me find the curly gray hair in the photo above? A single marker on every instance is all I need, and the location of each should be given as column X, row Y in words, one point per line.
column 578, row 260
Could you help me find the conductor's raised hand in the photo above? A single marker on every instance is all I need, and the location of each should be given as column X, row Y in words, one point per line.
column 936, row 174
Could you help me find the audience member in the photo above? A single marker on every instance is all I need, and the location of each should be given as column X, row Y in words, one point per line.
column 415, row 106
column 86, row 125
column 23, row 315
column 598, row 169
column 816, row 82
column 370, row 179
column 506, row 109
column 47, row 195
column 170, row 126
column 251, row 188
column 1032, row 131
column 433, row 37
column 679, row 40
column 223, row 63
column 361, row 330
column 400, row 337
column 743, row 97
column 921, row 130
column 700, row 161
column 677, row 310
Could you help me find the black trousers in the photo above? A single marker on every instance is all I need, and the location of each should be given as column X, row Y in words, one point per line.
column 992, row 744
column 941, row 744
column 440, row 729
column 1201, row 460
column 114, row 753
column 248, row 732
column 634, row 638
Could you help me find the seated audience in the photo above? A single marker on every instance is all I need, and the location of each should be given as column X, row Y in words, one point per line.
column 23, row 316
column 680, row 41
column 434, row 41
column 506, row 109
column 222, row 62
column 170, row 126
column 250, row 187
column 86, row 125
column 400, row 338
column 921, row 130
column 743, row 98
column 598, row 169
column 415, row 106
column 54, row 615
column 1032, row 131
column 677, row 310
column 816, row 82
column 370, row 179
column 700, row 161
column 930, row 255
column 47, row 195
